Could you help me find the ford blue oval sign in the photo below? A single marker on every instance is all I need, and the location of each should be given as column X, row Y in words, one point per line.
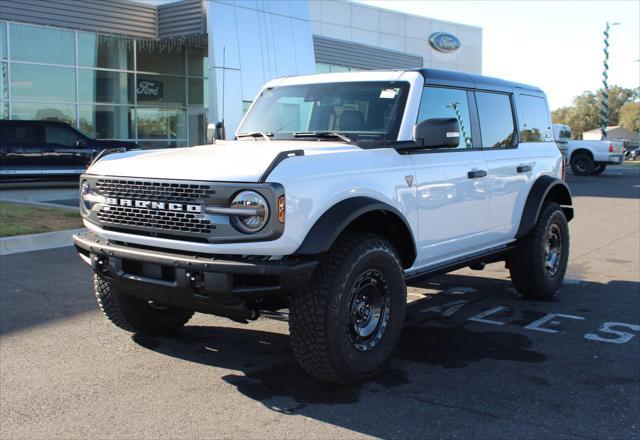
column 444, row 42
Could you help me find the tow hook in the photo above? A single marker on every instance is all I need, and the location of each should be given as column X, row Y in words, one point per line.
column 195, row 281
column 101, row 265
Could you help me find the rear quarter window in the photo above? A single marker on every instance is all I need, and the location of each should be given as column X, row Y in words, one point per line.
column 534, row 119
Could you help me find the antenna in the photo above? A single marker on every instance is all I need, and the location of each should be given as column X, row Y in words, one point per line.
column 224, row 71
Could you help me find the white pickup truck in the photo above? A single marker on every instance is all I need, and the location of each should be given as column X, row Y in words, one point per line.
column 587, row 158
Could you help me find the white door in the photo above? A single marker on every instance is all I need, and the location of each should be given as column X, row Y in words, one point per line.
column 452, row 185
column 510, row 169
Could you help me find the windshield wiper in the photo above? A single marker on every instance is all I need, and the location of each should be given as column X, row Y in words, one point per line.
column 323, row 134
column 264, row 134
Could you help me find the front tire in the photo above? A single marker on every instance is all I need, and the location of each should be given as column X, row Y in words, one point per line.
column 598, row 169
column 346, row 323
column 539, row 262
column 582, row 164
column 137, row 315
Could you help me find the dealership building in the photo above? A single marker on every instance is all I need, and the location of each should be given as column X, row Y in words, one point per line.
column 157, row 72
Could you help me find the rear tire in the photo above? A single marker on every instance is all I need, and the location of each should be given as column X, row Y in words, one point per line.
column 346, row 322
column 598, row 169
column 137, row 315
column 539, row 262
column 582, row 164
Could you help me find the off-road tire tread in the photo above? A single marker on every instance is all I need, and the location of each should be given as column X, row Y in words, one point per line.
column 124, row 311
column 307, row 318
column 531, row 283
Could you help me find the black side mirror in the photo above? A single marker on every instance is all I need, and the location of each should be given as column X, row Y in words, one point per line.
column 437, row 133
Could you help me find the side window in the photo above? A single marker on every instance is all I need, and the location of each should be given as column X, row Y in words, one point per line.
column 535, row 122
column 496, row 120
column 439, row 102
column 61, row 135
column 22, row 135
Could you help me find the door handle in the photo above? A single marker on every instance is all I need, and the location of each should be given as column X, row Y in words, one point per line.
column 476, row 174
column 524, row 168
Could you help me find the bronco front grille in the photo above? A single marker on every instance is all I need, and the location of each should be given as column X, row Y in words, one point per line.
column 157, row 220
column 154, row 190
column 154, row 219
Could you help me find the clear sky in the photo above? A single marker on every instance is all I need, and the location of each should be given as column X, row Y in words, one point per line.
column 555, row 45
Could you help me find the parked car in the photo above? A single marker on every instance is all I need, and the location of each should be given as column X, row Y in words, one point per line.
column 587, row 158
column 44, row 149
column 632, row 154
column 338, row 190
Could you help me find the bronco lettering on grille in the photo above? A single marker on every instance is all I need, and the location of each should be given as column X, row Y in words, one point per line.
column 148, row 204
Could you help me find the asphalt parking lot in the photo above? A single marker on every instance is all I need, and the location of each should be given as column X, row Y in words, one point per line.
column 474, row 360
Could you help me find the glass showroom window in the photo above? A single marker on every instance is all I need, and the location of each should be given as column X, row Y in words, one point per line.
column 3, row 41
column 162, row 124
column 106, row 121
column 42, row 83
column 105, row 86
column 44, row 112
column 4, row 110
column 160, row 57
column 198, row 91
column 42, row 45
column 105, row 51
column 4, row 77
column 160, row 90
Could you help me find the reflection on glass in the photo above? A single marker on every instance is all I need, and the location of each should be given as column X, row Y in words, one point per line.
column 44, row 112
column 148, row 145
column 4, row 76
column 3, row 41
column 440, row 102
column 4, row 110
column 160, row 90
column 197, row 62
column 198, row 92
column 536, row 124
column 106, row 121
column 106, row 51
column 496, row 120
column 105, row 86
column 164, row 56
column 43, row 83
column 42, row 44
column 161, row 123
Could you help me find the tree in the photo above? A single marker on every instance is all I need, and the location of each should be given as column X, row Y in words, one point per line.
column 630, row 116
column 585, row 113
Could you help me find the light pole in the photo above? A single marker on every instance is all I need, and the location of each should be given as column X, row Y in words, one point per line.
column 605, row 78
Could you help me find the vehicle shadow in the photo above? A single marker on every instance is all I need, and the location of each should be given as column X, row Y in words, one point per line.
column 617, row 182
column 437, row 350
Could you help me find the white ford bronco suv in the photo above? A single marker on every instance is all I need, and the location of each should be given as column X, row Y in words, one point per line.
column 338, row 190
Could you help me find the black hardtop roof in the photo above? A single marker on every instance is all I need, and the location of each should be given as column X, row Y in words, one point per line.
column 469, row 80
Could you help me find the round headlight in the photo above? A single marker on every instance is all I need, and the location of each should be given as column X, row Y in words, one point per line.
column 257, row 211
column 88, row 197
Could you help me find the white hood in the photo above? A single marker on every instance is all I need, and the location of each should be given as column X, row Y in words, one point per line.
column 224, row 161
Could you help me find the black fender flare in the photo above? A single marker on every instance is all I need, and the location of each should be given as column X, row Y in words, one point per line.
column 336, row 219
column 543, row 189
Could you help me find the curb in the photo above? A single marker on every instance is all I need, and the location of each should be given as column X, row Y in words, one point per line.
column 37, row 242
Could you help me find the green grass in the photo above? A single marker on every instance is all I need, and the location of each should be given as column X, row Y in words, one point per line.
column 631, row 163
column 18, row 219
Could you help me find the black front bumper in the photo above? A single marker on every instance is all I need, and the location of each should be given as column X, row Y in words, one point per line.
column 204, row 284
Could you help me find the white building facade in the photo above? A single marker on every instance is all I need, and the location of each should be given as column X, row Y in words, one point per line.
column 156, row 74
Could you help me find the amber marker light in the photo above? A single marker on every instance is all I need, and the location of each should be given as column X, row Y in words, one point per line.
column 281, row 209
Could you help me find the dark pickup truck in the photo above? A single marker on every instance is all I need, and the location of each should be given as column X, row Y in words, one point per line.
column 33, row 150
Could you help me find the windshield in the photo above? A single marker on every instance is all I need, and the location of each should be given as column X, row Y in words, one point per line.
column 362, row 111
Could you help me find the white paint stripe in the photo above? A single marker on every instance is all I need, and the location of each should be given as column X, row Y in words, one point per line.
column 549, row 318
column 480, row 316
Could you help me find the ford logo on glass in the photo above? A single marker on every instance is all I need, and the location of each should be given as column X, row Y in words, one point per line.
column 444, row 42
column 149, row 89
